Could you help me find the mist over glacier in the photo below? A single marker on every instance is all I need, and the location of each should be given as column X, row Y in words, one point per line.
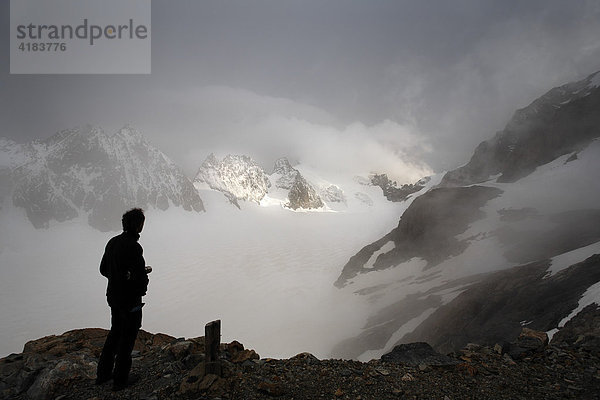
column 266, row 272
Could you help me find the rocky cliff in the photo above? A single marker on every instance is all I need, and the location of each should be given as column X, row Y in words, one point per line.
column 562, row 121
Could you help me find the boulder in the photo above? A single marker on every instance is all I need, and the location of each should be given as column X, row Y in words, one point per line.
column 416, row 354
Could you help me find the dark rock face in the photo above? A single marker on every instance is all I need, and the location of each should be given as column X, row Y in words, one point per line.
column 562, row 121
column 394, row 193
column 303, row 195
column 494, row 309
column 418, row 353
column 555, row 234
column 86, row 171
column 427, row 229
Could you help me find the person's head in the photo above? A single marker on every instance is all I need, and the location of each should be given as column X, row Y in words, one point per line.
column 133, row 220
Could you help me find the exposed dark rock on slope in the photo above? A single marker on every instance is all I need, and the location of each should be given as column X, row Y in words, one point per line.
column 394, row 193
column 303, row 195
column 426, row 230
column 547, row 236
column 582, row 331
column 497, row 307
column 562, row 121
column 490, row 309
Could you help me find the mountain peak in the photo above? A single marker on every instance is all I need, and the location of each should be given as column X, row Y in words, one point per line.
column 563, row 120
column 84, row 171
column 239, row 177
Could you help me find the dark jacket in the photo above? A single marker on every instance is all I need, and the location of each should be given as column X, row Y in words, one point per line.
column 124, row 266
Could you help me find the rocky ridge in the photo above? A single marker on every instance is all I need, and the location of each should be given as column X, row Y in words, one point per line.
column 84, row 171
column 392, row 192
column 303, row 195
column 562, row 121
column 63, row 367
column 427, row 230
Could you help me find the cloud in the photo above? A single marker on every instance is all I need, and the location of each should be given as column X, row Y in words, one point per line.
column 227, row 120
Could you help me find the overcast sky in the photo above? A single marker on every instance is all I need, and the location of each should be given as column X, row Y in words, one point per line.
column 403, row 87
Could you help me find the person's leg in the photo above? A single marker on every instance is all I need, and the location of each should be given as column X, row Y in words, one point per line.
column 107, row 357
column 132, row 323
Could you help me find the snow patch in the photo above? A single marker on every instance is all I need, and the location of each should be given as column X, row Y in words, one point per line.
column 591, row 295
column 565, row 260
column 389, row 246
column 408, row 327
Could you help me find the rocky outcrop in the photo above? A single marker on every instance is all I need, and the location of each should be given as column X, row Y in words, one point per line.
column 237, row 177
column 63, row 367
column 51, row 366
column 582, row 331
column 303, row 195
column 426, row 230
column 418, row 353
column 394, row 193
column 562, row 121
column 85, row 171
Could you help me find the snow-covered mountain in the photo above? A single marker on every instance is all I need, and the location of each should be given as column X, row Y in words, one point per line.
column 284, row 174
column 510, row 239
column 299, row 187
column 84, row 171
column 238, row 177
column 301, row 194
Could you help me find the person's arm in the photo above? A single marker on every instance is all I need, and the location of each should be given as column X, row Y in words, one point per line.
column 139, row 277
column 104, row 264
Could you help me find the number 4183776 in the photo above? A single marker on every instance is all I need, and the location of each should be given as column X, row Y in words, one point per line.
column 50, row 46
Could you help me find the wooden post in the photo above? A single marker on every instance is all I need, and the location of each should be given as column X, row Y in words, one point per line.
column 212, row 340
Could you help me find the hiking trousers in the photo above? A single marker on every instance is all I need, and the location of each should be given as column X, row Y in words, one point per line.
column 118, row 346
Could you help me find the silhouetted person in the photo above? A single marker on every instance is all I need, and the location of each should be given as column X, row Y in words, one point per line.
column 124, row 266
